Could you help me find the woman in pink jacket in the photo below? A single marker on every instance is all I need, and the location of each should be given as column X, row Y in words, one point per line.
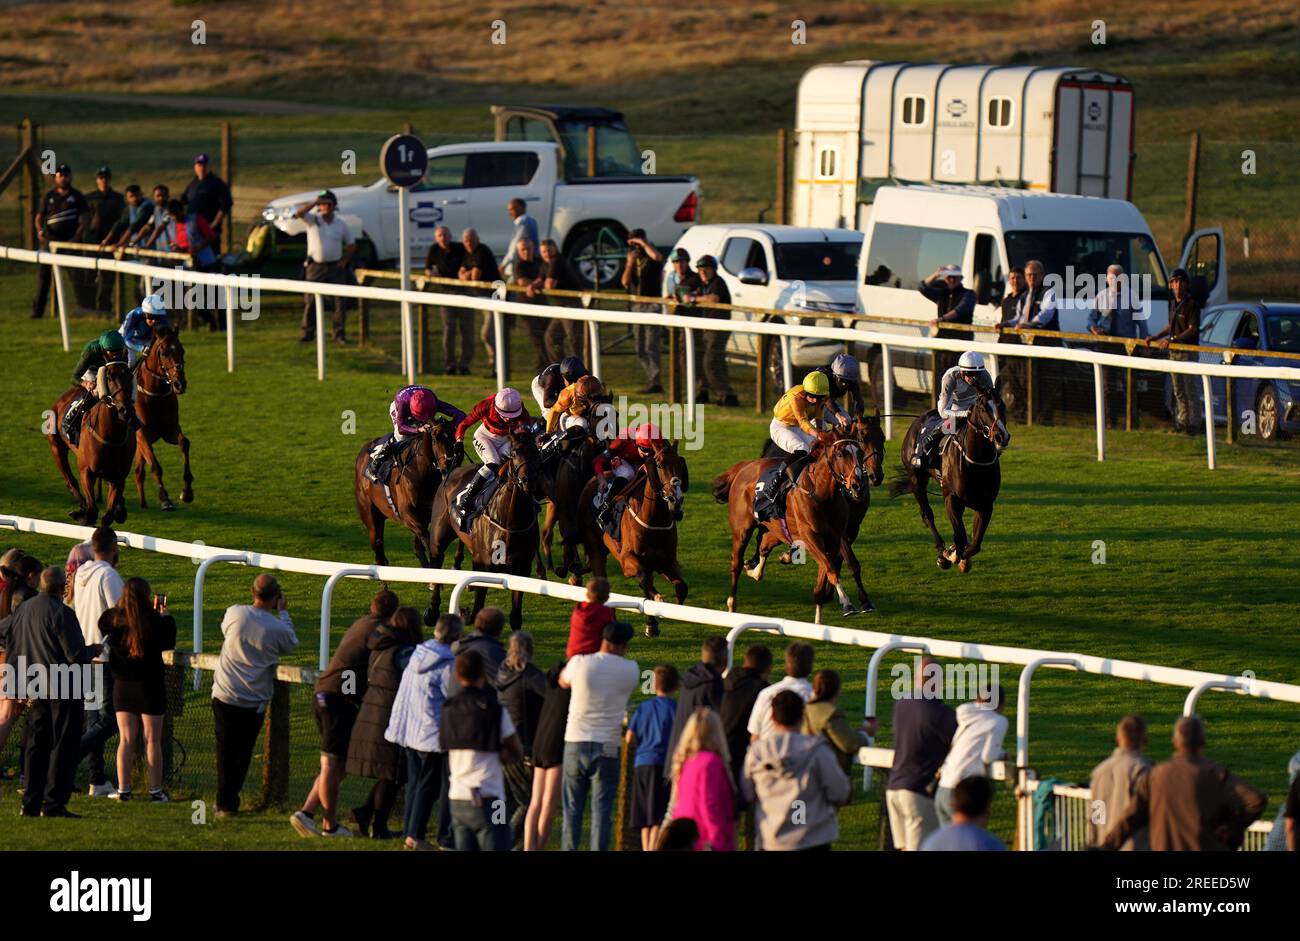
column 702, row 787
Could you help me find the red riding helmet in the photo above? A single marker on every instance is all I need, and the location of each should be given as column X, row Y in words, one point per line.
column 424, row 405
column 647, row 435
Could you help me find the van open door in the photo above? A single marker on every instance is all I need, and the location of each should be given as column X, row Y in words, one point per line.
column 1206, row 260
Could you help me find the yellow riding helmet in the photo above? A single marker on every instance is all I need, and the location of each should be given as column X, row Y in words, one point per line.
column 816, row 383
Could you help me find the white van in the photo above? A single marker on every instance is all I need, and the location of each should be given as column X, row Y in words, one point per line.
column 913, row 230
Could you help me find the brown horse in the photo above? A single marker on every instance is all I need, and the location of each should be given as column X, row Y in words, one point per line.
column 815, row 513
column 505, row 536
column 563, row 490
column 160, row 378
column 413, row 480
column 648, row 542
column 105, row 449
column 970, row 476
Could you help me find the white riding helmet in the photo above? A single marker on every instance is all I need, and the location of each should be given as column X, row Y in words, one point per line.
column 154, row 306
column 971, row 361
column 508, row 404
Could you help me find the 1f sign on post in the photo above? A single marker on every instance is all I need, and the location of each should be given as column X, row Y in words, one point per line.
column 404, row 160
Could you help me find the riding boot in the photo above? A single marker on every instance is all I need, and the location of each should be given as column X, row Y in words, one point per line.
column 605, row 512
column 378, row 454
column 923, row 444
column 465, row 502
column 793, row 467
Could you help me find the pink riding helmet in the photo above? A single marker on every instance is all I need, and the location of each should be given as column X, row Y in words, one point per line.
column 507, row 403
column 424, row 405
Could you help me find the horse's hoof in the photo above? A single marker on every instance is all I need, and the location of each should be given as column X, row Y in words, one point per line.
column 849, row 611
column 754, row 573
column 167, row 506
column 964, row 566
column 573, row 579
column 187, row 495
column 785, row 558
column 731, row 603
column 943, row 562
column 651, row 629
column 658, row 597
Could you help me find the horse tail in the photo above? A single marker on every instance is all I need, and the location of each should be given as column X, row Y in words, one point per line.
column 722, row 484
column 901, row 484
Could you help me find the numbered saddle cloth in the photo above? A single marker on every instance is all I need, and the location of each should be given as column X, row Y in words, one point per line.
column 474, row 510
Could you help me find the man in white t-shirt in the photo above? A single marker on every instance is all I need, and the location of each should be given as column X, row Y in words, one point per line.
column 97, row 587
column 976, row 744
column 479, row 736
column 798, row 667
column 329, row 253
column 601, row 685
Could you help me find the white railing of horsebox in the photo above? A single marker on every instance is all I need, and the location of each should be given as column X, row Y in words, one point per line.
column 735, row 624
column 499, row 307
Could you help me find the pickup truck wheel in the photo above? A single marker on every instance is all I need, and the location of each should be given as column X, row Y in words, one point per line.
column 597, row 255
column 1266, row 414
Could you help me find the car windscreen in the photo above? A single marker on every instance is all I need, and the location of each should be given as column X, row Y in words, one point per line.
column 1070, row 254
column 1283, row 332
column 817, row 261
column 616, row 150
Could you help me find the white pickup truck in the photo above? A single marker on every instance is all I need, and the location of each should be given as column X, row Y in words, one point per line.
column 468, row 185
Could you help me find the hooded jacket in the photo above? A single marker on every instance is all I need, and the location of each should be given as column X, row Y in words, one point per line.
column 740, row 689
column 370, row 754
column 786, row 767
column 522, row 693
column 701, row 686
column 417, row 710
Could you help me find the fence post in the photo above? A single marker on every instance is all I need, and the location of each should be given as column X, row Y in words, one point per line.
column 689, row 357
column 787, row 362
column 421, row 338
column 934, row 376
column 1193, row 178
column 61, row 300
column 1209, row 420
column 1099, row 389
column 29, row 197
column 780, row 176
column 320, row 337
column 760, row 374
column 593, row 327
column 230, row 329
column 228, row 173
column 1128, row 398
column 591, row 151
column 1029, row 391
column 621, row 817
column 1229, row 410
column 275, row 770
column 887, row 380
column 674, row 384
column 363, row 315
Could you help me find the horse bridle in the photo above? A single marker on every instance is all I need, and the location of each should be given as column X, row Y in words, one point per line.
column 143, row 366
column 986, row 433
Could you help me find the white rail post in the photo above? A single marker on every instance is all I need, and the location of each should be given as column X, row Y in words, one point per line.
column 787, row 365
column 1189, row 704
column 1208, row 403
column 887, row 380
column 320, row 338
column 327, row 602
column 408, row 341
column 735, row 632
column 689, row 356
column 1099, row 390
column 1022, row 734
column 60, row 301
column 500, row 343
column 593, row 331
column 199, row 577
column 873, row 679
column 477, row 579
column 230, row 329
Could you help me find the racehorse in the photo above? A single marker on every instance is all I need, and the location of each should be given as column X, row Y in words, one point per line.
column 870, row 437
column 970, row 475
column 502, row 538
column 815, row 512
column 160, row 382
column 648, row 531
column 564, row 488
column 105, row 448
column 413, row 480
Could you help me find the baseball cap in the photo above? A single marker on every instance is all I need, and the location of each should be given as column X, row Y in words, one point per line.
column 64, row 168
column 636, row 234
column 324, row 195
column 707, row 261
column 105, row 172
column 1179, row 273
column 201, row 158
column 679, row 254
column 617, row 633
column 951, row 271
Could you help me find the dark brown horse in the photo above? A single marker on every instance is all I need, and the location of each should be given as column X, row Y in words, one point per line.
column 105, row 449
column 815, row 513
column 413, row 480
column 648, row 532
column 160, row 382
column 563, row 489
column 970, row 475
column 505, row 536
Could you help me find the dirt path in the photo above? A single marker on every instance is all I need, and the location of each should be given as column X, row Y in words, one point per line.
column 192, row 102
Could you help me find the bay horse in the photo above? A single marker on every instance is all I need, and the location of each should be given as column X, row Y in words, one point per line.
column 161, row 381
column 105, row 449
column 970, row 475
column 648, row 531
column 815, row 513
column 504, row 537
column 413, row 481
column 564, row 488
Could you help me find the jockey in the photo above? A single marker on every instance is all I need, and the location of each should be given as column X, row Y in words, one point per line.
column 795, row 420
column 575, row 407
column 500, row 415
column 138, row 329
column 548, row 384
column 844, row 376
column 412, row 410
column 962, row 384
column 618, row 464
column 108, row 347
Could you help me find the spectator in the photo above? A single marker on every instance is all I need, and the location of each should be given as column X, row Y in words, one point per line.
column 525, row 229
column 824, row 717
column 62, row 217
column 1112, row 314
column 444, row 261
column 711, row 289
column 679, row 282
column 1291, row 810
column 786, row 766
column 256, row 636
column 976, row 744
column 193, row 236
column 479, row 736
column 1275, row 842
column 78, row 556
column 1189, row 802
column 522, row 689
column 643, row 273
column 798, row 664
column 601, row 684
column 740, row 690
column 1184, row 327
column 966, row 832
column 955, row 303
column 703, row 788
column 680, row 835
column 330, row 247
column 548, row 762
column 486, row 639
column 338, row 693
column 649, row 733
column 1114, row 781
column 923, row 731
column 15, row 587
column 99, row 588
column 43, row 632
column 701, row 686
column 589, row 618
column 370, row 753
column 414, row 725
column 158, row 234
column 208, row 197
column 479, row 264
column 1037, row 308
column 107, row 209
column 557, row 274
column 139, row 213
column 527, row 273
column 1011, row 369
column 137, row 631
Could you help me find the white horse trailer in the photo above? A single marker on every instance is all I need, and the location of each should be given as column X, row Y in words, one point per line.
column 863, row 124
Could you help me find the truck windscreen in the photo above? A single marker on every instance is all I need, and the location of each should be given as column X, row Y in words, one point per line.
column 817, row 261
column 1070, row 254
column 616, row 150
